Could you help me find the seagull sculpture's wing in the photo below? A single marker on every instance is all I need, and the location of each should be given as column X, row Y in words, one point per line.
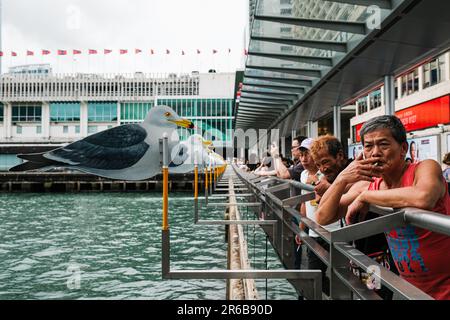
column 182, row 153
column 113, row 149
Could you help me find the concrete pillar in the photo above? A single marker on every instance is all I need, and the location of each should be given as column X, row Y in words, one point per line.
column 421, row 78
column 45, row 120
column 309, row 130
column 118, row 113
column 447, row 66
column 7, row 121
column 283, row 146
column 389, row 95
column 337, row 122
column 84, row 119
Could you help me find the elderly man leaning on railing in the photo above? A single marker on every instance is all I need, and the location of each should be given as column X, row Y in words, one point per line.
column 382, row 177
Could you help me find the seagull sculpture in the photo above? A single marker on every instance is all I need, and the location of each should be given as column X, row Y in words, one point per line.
column 188, row 153
column 127, row 152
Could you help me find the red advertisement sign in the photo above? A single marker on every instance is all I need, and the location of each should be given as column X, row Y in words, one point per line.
column 358, row 130
column 425, row 115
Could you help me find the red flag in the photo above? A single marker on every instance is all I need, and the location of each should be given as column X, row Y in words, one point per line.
column 30, row 53
column 45, row 52
column 123, row 51
column 167, row 51
column 214, row 51
column 198, row 51
column 1, row 53
column 91, row 51
column 137, row 51
column 14, row 54
column 76, row 52
column 62, row 52
column 152, row 51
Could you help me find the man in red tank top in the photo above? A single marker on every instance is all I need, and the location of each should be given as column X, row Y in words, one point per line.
column 382, row 177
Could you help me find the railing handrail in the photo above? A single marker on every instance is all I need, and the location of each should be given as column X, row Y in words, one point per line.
column 389, row 218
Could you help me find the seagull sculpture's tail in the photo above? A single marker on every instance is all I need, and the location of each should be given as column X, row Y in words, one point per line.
column 35, row 161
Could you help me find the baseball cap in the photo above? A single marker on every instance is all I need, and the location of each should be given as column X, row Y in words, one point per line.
column 306, row 144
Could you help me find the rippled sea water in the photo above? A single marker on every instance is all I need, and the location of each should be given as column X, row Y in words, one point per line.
column 108, row 246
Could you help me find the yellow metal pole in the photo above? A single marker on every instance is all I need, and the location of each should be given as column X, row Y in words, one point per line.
column 165, row 225
column 206, row 179
column 210, row 176
column 196, row 183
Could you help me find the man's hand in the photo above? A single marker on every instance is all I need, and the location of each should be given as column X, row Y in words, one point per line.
column 322, row 187
column 360, row 170
column 356, row 212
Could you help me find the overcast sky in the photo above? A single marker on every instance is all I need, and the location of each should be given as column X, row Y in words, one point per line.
column 126, row 24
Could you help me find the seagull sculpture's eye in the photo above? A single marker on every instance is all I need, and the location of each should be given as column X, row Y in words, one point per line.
column 168, row 114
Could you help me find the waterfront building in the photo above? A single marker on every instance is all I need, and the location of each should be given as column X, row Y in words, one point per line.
column 42, row 111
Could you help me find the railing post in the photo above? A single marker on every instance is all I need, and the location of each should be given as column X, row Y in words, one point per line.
column 206, row 185
column 196, row 193
column 165, row 212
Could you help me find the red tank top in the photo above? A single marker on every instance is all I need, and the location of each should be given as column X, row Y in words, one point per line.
column 422, row 257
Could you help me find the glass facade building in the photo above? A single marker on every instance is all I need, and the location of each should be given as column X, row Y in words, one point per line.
column 54, row 110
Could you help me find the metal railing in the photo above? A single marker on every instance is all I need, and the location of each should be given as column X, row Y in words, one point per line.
column 280, row 200
column 310, row 279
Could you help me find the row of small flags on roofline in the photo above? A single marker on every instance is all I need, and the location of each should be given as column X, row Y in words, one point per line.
column 96, row 52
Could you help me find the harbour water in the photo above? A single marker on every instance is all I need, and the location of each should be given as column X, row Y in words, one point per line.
column 108, row 246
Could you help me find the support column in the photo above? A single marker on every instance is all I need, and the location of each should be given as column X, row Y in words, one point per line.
column 337, row 122
column 389, row 95
column 447, row 66
column 7, row 122
column 45, row 120
column 84, row 119
column 421, row 78
column 119, row 113
column 283, row 146
column 309, row 130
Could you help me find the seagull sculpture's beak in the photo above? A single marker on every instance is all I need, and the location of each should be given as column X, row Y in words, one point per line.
column 207, row 143
column 184, row 123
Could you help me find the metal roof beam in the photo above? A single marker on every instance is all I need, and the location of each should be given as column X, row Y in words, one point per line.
column 334, row 25
column 291, row 96
column 265, row 97
column 258, row 89
column 322, row 61
column 276, row 87
column 257, row 115
column 316, row 44
column 267, row 102
column 272, row 94
column 257, row 106
column 250, row 121
column 313, row 73
column 260, row 109
column 383, row 4
column 299, row 82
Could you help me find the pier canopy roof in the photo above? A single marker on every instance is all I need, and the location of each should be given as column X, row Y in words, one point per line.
column 306, row 56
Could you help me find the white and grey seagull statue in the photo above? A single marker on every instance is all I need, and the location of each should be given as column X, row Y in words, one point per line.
column 127, row 152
